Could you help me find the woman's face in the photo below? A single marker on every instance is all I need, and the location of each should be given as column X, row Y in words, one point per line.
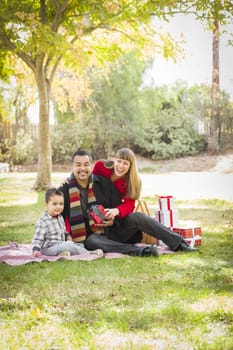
column 121, row 167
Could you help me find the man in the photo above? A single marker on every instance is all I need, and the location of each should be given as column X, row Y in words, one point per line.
column 83, row 190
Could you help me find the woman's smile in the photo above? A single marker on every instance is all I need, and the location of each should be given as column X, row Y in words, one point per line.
column 121, row 167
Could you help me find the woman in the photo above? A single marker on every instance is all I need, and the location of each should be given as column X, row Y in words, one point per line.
column 123, row 173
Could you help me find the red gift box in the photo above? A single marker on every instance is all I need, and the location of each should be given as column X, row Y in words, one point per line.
column 97, row 213
column 192, row 235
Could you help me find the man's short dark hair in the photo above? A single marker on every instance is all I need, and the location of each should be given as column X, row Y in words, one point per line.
column 81, row 152
column 52, row 192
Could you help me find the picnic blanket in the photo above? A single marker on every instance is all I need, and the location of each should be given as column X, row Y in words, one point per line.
column 16, row 254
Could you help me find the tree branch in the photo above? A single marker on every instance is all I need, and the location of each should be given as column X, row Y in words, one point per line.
column 43, row 11
column 60, row 9
column 12, row 47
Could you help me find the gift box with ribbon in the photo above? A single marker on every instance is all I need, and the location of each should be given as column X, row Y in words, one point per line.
column 168, row 218
column 192, row 235
column 166, row 203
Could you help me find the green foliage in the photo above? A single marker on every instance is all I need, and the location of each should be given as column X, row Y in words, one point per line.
column 5, row 151
column 170, row 136
column 199, row 98
column 89, row 34
column 23, row 150
column 90, row 31
column 6, row 65
column 82, row 34
column 207, row 11
column 170, row 128
column 6, row 103
column 67, row 138
column 115, row 104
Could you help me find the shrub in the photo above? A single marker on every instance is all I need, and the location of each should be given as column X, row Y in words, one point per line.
column 23, row 150
column 66, row 139
column 170, row 135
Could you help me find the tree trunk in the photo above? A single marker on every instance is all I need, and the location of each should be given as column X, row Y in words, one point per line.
column 43, row 180
column 213, row 144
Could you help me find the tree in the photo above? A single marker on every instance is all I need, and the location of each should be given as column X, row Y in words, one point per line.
column 42, row 33
column 170, row 130
column 114, row 104
column 214, row 14
column 215, row 92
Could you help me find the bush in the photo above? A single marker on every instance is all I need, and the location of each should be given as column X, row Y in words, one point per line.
column 23, row 151
column 66, row 139
column 171, row 136
column 5, row 151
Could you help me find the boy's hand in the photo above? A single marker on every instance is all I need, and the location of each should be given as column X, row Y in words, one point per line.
column 69, row 238
column 37, row 254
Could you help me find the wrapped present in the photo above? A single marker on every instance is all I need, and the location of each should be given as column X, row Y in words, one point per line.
column 192, row 235
column 166, row 203
column 195, row 241
column 168, row 218
column 97, row 213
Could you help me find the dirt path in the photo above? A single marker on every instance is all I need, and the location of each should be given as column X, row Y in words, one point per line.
column 203, row 162
column 191, row 178
column 189, row 185
column 185, row 178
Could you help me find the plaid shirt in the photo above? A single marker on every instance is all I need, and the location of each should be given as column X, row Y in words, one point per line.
column 49, row 230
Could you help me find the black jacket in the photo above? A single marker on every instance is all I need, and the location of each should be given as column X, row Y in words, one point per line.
column 105, row 193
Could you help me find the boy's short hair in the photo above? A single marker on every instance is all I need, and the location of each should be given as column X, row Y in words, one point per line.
column 81, row 152
column 52, row 192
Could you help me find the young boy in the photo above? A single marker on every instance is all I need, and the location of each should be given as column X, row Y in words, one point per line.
column 50, row 234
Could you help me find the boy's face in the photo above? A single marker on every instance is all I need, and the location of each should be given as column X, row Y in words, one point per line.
column 82, row 168
column 55, row 205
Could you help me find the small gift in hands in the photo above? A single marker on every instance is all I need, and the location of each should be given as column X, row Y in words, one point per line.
column 97, row 213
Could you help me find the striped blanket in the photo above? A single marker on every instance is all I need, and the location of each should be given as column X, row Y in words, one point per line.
column 16, row 254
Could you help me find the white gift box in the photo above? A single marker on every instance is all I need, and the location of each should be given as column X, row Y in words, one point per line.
column 168, row 218
column 166, row 203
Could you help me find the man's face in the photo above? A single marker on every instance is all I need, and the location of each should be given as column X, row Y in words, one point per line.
column 82, row 169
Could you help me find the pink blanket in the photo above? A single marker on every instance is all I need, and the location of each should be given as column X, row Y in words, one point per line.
column 20, row 254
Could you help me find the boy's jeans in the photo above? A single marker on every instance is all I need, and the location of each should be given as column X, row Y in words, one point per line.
column 73, row 248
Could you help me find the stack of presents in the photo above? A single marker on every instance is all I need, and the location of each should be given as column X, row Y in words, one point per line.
column 167, row 215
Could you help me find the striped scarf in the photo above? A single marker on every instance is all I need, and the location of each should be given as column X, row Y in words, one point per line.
column 77, row 225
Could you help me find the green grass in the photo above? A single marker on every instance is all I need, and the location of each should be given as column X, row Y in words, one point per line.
column 150, row 169
column 180, row 301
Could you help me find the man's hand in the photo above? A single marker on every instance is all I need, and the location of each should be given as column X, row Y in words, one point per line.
column 105, row 223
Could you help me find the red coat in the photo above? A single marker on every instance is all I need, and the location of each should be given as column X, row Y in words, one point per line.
column 128, row 204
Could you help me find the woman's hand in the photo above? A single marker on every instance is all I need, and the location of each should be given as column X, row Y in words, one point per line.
column 65, row 181
column 112, row 213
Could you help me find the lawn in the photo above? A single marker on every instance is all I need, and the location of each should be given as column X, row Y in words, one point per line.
column 181, row 301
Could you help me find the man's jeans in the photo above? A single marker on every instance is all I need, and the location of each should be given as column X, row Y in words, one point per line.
column 117, row 238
